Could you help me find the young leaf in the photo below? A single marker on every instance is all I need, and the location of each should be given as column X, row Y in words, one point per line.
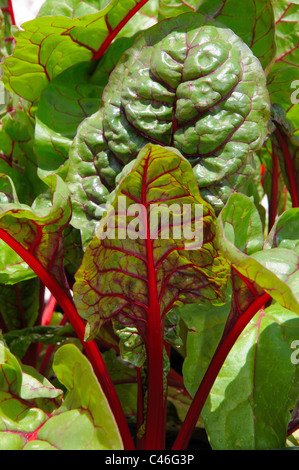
column 251, row 20
column 262, row 385
column 49, row 45
column 159, row 177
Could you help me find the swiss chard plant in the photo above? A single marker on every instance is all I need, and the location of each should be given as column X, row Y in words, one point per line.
column 149, row 225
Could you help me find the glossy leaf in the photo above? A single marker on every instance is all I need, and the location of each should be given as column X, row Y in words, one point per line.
column 250, row 402
column 252, row 20
column 183, row 274
column 213, row 111
column 17, row 158
column 49, row 45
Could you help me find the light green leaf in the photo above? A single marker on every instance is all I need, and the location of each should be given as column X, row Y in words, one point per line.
column 250, row 402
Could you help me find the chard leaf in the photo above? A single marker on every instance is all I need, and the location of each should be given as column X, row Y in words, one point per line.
column 37, row 232
column 252, row 20
column 285, row 68
column 170, row 8
column 159, row 177
column 19, row 340
column 26, row 401
column 213, row 110
column 33, row 415
column 49, row 45
column 17, row 158
column 78, row 92
column 285, row 232
column 273, row 271
column 261, row 382
column 19, row 304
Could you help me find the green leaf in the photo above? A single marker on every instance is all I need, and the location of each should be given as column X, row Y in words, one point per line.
column 250, row 402
column 84, row 421
column 19, row 340
column 49, row 45
column 252, row 20
column 284, row 72
column 26, row 401
column 71, row 8
column 159, row 178
column 67, row 101
column 23, row 306
column 285, row 232
column 214, row 111
column 275, row 271
column 38, row 231
column 18, row 160
column 33, row 415
column 205, row 327
column 170, row 8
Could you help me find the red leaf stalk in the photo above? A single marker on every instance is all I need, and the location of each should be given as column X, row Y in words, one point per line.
column 222, row 351
column 78, row 324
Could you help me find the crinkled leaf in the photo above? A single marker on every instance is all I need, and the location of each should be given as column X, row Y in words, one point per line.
column 250, row 402
column 49, row 45
column 186, row 83
column 38, row 231
column 274, row 271
column 252, row 20
column 114, row 280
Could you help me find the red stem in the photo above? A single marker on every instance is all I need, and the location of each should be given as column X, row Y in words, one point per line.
column 155, row 401
column 113, row 33
column 222, row 351
column 289, row 167
column 273, row 203
column 92, row 351
column 11, row 12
